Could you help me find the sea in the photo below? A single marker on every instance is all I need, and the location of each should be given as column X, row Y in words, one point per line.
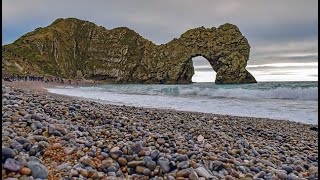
column 293, row 101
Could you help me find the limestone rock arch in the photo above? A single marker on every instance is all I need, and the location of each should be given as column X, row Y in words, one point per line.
column 225, row 48
column 71, row 46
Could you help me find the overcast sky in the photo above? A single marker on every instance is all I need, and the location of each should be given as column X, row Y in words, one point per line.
column 279, row 31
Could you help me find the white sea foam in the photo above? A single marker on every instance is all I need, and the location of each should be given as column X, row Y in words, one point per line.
column 278, row 93
column 294, row 102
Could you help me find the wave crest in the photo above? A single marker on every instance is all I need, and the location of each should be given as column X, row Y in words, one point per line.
column 278, row 93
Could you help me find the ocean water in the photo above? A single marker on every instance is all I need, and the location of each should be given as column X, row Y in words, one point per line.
column 294, row 101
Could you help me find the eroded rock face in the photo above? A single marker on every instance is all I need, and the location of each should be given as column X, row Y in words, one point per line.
column 69, row 47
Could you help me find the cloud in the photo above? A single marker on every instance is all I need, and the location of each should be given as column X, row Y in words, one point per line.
column 169, row 17
column 282, row 65
column 304, row 74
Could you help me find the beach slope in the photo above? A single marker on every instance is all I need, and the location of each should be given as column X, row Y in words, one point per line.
column 50, row 136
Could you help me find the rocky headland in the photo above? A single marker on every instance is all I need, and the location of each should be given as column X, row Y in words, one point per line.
column 46, row 136
column 72, row 48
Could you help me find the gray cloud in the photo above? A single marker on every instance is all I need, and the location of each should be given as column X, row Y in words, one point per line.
column 163, row 20
column 266, row 68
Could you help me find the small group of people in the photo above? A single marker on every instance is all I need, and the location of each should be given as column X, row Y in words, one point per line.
column 28, row 78
column 55, row 79
column 23, row 78
column 37, row 78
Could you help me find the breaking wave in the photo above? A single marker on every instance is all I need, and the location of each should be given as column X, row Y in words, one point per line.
column 278, row 93
column 292, row 90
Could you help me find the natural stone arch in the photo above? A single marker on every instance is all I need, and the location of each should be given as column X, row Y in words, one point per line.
column 225, row 48
column 121, row 55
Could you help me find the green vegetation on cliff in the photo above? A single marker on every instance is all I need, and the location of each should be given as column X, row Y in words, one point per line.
column 71, row 46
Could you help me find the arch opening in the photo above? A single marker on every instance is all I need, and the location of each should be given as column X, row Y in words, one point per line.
column 203, row 71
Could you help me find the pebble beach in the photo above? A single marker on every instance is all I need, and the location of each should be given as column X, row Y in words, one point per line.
column 48, row 136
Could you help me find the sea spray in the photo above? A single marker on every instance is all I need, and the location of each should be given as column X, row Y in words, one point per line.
column 295, row 101
column 278, row 93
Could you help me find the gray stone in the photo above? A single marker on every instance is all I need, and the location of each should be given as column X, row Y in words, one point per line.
column 35, row 117
column 282, row 174
column 57, row 133
column 38, row 125
column 40, row 138
column 215, row 165
column 34, row 159
column 261, row 174
column 154, row 154
column 147, row 158
column 8, row 153
column 115, row 154
column 182, row 158
column 137, row 147
column 63, row 166
column 111, row 174
column 21, row 159
column 43, row 144
column 63, row 131
column 183, row 165
column 161, row 141
column 146, row 172
column 22, row 140
column 12, row 165
column 112, row 169
column 51, row 129
column 289, row 169
column 292, row 176
column 193, row 175
column 34, row 150
column 38, row 170
column 164, row 164
column 151, row 165
column 202, row 172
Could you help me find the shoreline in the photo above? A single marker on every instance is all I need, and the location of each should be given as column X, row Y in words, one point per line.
column 78, row 138
column 41, row 87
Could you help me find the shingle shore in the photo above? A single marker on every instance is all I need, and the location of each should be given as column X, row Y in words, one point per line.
column 53, row 137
